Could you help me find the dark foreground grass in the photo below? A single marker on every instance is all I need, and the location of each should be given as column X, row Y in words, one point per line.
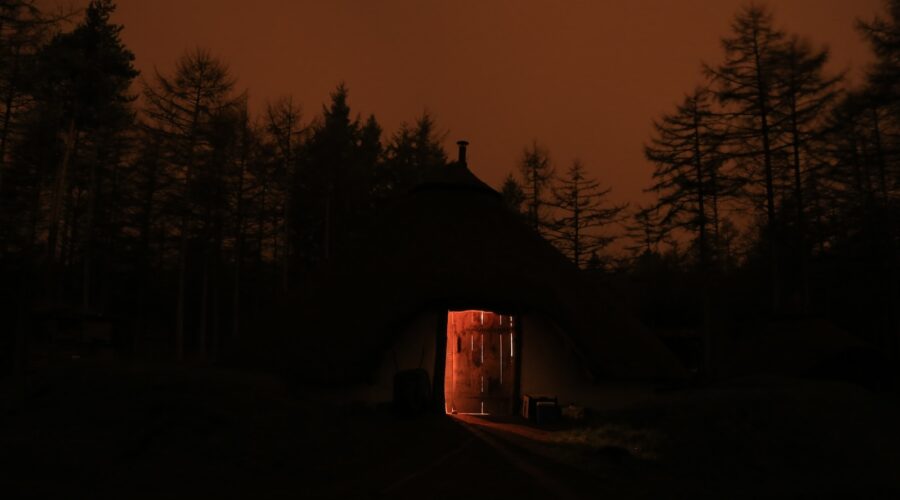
column 749, row 438
column 151, row 431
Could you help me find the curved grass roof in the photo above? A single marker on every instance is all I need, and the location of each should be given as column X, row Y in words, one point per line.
column 451, row 244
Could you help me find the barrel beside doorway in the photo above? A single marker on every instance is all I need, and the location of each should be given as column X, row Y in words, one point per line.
column 480, row 370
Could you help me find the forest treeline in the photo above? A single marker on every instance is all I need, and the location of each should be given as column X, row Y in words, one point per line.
column 160, row 202
column 163, row 202
column 785, row 178
column 775, row 190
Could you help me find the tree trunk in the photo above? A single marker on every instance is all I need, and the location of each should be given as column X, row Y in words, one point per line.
column 236, row 292
column 182, row 284
column 214, row 332
column 576, row 240
column 185, row 227
column 879, row 156
column 8, row 101
column 326, row 243
column 816, row 206
column 239, row 244
column 715, row 212
column 59, row 188
column 286, row 241
column 892, row 295
column 204, row 312
column 762, row 102
column 701, row 208
column 286, row 216
column 260, row 229
column 801, row 218
column 704, row 250
column 88, row 257
column 146, row 263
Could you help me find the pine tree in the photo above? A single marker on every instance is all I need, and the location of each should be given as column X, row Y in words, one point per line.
column 582, row 214
column 85, row 76
column 881, row 98
column 883, row 35
column 22, row 32
column 646, row 230
column 746, row 84
column 537, row 174
column 284, row 127
column 338, row 172
column 182, row 109
column 689, row 177
column 881, row 104
column 804, row 96
column 24, row 138
column 512, row 193
column 413, row 153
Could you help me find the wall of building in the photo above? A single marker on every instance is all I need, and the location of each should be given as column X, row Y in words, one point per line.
column 549, row 364
column 414, row 347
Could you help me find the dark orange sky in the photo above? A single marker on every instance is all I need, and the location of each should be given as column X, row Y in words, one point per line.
column 584, row 78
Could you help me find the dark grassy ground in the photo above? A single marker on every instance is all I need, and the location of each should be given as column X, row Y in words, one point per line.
column 749, row 438
column 152, row 431
column 144, row 431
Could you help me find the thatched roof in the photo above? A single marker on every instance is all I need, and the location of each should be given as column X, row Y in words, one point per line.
column 452, row 243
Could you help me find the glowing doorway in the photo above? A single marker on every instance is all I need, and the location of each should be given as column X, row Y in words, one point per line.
column 480, row 374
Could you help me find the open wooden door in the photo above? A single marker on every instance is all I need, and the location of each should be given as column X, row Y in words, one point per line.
column 480, row 369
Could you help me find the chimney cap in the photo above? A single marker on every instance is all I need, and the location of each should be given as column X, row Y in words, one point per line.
column 462, row 151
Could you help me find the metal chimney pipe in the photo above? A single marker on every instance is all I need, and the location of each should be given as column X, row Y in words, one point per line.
column 462, row 151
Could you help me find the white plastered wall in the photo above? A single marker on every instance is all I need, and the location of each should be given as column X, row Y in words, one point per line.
column 550, row 367
column 413, row 347
column 549, row 364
